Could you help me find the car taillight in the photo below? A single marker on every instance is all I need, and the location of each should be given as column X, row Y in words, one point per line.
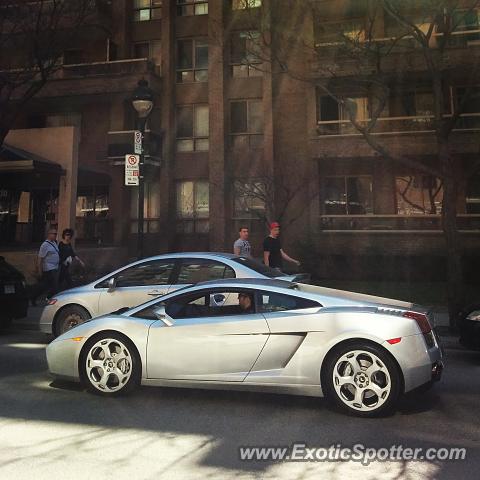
column 421, row 319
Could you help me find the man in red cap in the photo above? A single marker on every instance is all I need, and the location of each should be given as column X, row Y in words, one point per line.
column 272, row 249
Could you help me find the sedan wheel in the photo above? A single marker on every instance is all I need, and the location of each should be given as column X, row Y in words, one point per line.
column 362, row 379
column 70, row 317
column 110, row 364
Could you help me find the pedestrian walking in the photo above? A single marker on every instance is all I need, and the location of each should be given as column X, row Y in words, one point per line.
column 46, row 266
column 242, row 245
column 67, row 256
column 272, row 249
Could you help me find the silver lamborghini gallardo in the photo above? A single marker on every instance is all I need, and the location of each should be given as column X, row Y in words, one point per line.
column 361, row 352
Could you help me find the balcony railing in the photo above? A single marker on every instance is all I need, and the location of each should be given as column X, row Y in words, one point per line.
column 107, row 68
column 459, row 38
column 394, row 223
column 401, row 125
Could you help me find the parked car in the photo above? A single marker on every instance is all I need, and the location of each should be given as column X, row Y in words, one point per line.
column 360, row 351
column 13, row 294
column 138, row 282
column 469, row 326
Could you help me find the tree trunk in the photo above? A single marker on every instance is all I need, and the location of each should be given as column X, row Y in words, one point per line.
column 452, row 240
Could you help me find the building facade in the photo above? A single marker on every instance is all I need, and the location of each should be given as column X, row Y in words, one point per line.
column 244, row 130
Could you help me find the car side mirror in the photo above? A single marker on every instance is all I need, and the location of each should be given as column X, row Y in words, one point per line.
column 112, row 283
column 160, row 313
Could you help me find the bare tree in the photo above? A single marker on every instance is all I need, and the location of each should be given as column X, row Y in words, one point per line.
column 358, row 59
column 33, row 38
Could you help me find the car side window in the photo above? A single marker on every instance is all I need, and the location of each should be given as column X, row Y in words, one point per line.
column 148, row 312
column 276, row 302
column 195, row 271
column 213, row 303
column 155, row 272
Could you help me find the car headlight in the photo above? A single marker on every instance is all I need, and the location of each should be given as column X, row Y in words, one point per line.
column 474, row 316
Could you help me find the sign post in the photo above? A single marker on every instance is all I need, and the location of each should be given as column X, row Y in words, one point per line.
column 132, row 170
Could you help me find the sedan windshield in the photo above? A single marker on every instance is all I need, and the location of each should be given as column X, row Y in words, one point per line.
column 258, row 267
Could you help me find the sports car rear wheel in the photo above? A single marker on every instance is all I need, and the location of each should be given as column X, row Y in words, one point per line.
column 110, row 364
column 362, row 379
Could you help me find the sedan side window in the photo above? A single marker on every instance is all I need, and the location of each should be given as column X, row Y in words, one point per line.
column 155, row 272
column 277, row 302
column 195, row 271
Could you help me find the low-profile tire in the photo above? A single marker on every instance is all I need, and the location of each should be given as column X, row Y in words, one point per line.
column 109, row 364
column 362, row 379
column 70, row 317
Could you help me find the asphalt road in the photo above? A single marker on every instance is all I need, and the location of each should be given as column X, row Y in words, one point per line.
column 51, row 430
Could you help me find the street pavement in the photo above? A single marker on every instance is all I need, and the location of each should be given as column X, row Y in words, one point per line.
column 51, row 430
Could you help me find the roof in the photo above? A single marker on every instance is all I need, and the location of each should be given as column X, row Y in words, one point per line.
column 263, row 282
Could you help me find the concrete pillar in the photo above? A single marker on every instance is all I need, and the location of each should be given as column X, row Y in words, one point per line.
column 216, row 94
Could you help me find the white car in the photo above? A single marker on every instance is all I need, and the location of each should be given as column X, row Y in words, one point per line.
column 362, row 352
column 145, row 279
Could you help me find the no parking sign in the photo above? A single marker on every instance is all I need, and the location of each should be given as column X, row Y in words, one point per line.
column 132, row 169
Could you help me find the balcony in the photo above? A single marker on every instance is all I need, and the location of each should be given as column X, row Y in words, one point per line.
column 120, row 143
column 119, row 76
column 395, row 223
column 396, row 125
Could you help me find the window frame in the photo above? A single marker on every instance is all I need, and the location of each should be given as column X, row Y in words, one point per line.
column 345, row 178
column 185, row 5
column 196, row 220
column 179, row 71
column 151, row 8
column 248, row 137
column 248, row 63
column 298, row 298
column 194, row 138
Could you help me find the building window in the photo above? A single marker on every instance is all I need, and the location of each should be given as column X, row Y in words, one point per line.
column 347, row 195
column 249, row 200
column 418, row 195
column 92, row 202
column 151, row 208
column 245, row 4
column 333, row 117
column 150, row 50
column 246, row 124
column 473, row 195
column 192, row 60
column 192, row 128
column 332, row 33
column 145, row 10
column 245, row 54
column 470, row 107
column 191, row 7
column 193, row 207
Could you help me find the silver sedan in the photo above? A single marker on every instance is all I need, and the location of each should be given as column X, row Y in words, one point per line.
column 360, row 351
column 140, row 281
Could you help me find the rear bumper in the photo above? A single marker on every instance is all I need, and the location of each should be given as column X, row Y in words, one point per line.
column 419, row 364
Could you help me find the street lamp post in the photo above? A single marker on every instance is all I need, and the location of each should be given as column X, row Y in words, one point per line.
column 142, row 101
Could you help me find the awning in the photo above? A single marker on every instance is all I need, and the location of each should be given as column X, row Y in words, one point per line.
column 16, row 160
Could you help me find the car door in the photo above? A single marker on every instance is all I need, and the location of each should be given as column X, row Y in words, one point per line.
column 209, row 340
column 190, row 271
column 136, row 284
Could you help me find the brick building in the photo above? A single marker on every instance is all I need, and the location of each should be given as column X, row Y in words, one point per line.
column 229, row 119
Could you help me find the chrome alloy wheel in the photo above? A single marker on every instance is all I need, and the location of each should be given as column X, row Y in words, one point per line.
column 361, row 380
column 108, row 365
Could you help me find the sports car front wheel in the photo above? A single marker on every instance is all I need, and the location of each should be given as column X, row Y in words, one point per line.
column 362, row 379
column 110, row 364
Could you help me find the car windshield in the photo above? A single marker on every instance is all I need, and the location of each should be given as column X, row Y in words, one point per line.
column 258, row 267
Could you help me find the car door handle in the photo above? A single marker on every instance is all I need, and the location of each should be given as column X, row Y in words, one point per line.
column 155, row 293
